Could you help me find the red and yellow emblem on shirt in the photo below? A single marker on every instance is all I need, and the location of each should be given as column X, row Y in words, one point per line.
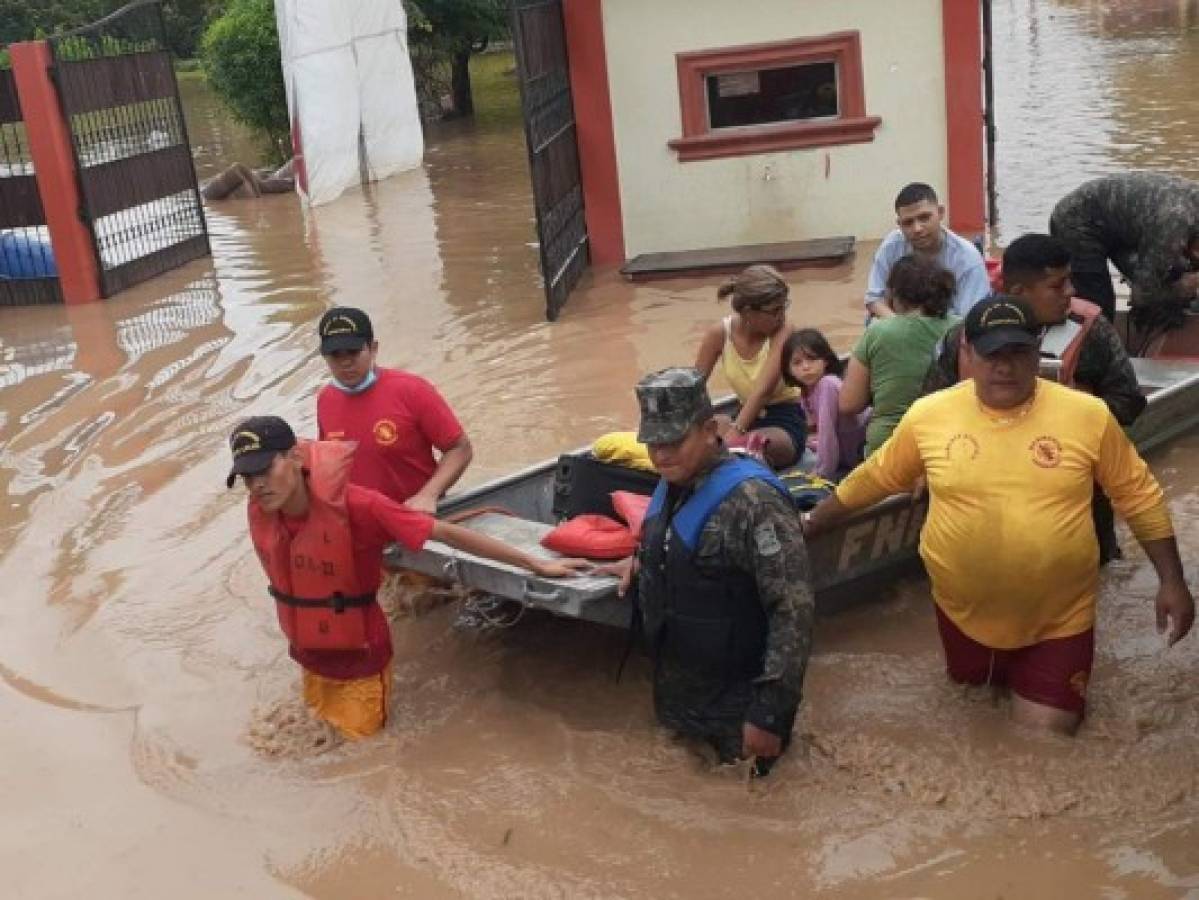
column 386, row 432
column 1046, row 451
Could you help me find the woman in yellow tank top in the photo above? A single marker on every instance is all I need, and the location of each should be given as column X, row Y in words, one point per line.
column 748, row 346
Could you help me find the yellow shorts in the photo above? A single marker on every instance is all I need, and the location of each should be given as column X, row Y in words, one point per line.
column 357, row 707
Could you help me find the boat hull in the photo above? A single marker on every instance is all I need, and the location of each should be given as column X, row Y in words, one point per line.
column 852, row 563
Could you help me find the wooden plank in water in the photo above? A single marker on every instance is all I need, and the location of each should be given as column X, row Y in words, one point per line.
column 788, row 254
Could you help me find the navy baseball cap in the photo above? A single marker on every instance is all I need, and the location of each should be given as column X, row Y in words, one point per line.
column 1001, row 321
column 344, row 328
column 255, row 443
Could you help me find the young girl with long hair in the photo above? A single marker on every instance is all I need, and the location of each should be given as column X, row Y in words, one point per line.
column 810, row 364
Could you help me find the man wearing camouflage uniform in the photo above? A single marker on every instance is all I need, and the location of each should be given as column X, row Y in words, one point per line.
column 726, row 600
column 1147, row 224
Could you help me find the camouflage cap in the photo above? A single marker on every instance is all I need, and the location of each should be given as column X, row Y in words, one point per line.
column 671, row 401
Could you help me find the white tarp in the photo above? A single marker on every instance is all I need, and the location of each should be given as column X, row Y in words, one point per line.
column 350, row 92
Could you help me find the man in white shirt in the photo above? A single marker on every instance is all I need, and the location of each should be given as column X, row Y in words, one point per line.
column 919, row 215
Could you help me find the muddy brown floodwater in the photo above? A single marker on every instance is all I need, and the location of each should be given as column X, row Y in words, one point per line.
column 152, row 737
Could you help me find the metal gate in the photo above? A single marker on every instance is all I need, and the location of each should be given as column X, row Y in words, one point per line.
column 27, row 273
column 140, row 199
column 544, row 76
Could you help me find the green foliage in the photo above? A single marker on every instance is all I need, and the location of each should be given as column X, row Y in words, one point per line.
column 457, row 25
column 241, row 58
column 444, row 33
column 23, row 20
column 185, row 21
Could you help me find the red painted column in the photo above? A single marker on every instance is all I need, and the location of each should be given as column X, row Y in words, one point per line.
column 961, row 26
column 54, row 165
column 584, row 22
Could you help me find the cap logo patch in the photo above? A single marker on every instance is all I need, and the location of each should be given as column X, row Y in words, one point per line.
column 1002, row 314
column 340, row 325
column 245, row 442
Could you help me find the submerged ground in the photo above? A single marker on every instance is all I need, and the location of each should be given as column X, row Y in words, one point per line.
column 152, row 736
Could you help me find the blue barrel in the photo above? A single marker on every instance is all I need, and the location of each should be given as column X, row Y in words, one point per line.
column 26, row 254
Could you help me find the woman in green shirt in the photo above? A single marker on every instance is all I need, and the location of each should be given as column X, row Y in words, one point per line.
column 888, row 364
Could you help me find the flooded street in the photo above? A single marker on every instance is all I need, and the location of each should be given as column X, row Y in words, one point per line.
column 153, row 734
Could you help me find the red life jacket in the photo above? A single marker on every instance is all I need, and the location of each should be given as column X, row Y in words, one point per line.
column 1083, row 312
column 317, row 595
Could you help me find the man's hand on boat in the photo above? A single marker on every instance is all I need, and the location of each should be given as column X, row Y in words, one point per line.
column 566, row 567
column 624, row 569
column 826, row 514
column 422, row 502
column 481, row 545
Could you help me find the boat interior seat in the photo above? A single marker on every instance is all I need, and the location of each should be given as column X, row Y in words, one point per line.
column 1163, row 371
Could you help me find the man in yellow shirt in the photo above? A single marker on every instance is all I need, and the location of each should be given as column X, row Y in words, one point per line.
column 1009, row 544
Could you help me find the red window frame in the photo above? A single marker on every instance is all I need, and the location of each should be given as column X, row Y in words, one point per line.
column 701, row 141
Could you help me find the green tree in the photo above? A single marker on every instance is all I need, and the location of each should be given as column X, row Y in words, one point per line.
column 23, row 20
column 240, row 52
column 185, row 21
column 458, row 28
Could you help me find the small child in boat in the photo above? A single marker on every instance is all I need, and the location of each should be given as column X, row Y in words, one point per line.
column 809, row 363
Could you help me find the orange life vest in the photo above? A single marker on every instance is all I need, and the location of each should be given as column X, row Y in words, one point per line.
column 317, row 595
column 1083, row 312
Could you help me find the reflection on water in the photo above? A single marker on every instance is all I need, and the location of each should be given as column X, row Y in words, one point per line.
column 140, row 667
column 1086, row 88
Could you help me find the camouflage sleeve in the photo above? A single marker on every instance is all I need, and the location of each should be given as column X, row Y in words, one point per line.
column 943, row 370
column 1105, row 369
column 1159, row 257
column 761, row 535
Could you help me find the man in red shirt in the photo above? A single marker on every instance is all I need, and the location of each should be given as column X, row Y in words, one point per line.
column 320, row 539
column 397, row 418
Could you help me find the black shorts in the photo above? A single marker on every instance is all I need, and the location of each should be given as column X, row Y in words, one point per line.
column 787, row 416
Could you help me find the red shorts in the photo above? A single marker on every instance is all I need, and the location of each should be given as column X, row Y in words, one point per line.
column 1053, row 672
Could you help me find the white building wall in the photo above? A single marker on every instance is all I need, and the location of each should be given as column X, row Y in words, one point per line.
column 787, row 195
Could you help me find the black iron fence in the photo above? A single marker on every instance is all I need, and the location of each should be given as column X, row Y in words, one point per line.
column 27, row 271
column 140, row 198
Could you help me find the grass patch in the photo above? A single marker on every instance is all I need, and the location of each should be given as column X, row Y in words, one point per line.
column 496, row 92
column 189, row 68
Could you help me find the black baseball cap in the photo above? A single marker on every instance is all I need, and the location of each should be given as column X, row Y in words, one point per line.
column 255, row 443
column 344, row 328
column 1001, row 321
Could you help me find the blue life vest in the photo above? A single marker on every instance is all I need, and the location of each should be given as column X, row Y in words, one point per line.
column 705, row 616
column 689, row 521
